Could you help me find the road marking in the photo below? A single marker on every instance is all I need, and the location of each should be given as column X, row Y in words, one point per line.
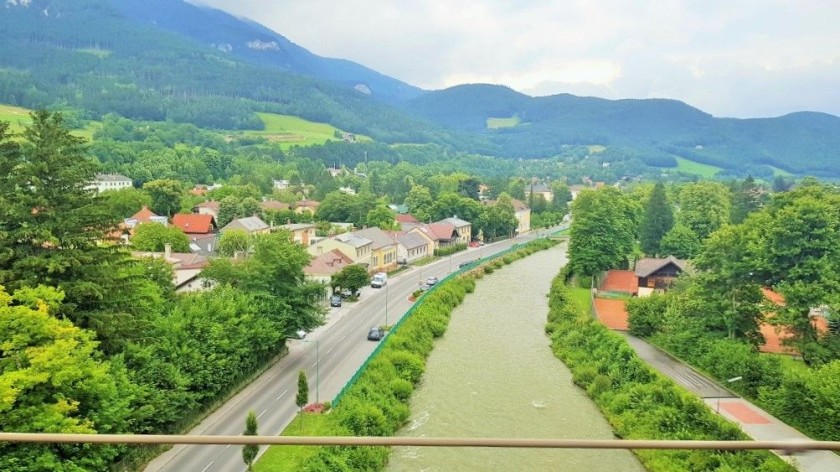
column 263, row 412
column 208, row 466
column 314, row 364
column 330, row 349
column 281, row 395
column 343, row 338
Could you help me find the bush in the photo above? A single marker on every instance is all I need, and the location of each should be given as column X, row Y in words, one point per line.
column 647, row 315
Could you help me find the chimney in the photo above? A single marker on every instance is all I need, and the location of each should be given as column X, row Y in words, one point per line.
column 167, row 251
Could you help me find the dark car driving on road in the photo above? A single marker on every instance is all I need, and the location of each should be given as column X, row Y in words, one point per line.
column 375, row 334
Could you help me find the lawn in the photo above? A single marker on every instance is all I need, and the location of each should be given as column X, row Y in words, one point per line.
column 581, row 299
column 496, row 123
column 288, row 130
column 293, row 457
column 691, row 167
column 596, row 148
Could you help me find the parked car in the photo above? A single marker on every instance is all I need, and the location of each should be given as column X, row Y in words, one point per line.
column 431, row 281
column 301, row 334
column 346, row 293
column 375, row 334
column 335, row 300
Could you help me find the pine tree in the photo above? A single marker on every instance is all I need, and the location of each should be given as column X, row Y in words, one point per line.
column 302, row 397
column 658, row 219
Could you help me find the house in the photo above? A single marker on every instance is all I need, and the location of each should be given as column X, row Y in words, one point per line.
column 274, row 205
column 441, row 234
column 412, row 246
column 523, row 216
column 194, row 224
column 406, row 218
column 775, row 336
column 210, row 207
column 144, row 215
column 358, row 248
column 383, row 256
column 541, row 189
column 462, row 228
column 281, row 184
column 657, row 273
column 186, row 269
column 306, row 206
column 199, row 190
column 204, row 244
column 252, row 225
column 302, row 233
column 103, row 182
column 322, row 267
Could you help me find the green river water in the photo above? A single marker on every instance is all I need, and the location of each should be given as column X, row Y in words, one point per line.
column 494, row 375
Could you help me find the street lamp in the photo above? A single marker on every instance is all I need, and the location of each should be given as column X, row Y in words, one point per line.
column 317, row 369
column 729, row 381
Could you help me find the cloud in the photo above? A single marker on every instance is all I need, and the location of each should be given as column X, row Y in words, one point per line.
column 730, row 58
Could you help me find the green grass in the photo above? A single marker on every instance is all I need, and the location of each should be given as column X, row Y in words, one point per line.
column 580, row 297
column 290, row 457
column 596, row 148
column 290, row 130
column 496, row 123
column 98, row 52
column 691, row 167
column 18, row 117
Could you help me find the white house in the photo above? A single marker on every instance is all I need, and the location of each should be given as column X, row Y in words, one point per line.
column 104, row 182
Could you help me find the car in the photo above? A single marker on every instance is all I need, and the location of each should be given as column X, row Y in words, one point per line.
column 346, row 293
column 379, row 280
column 375, row 334
column 335, row 300
column 464, row 264
column 301, row 334
column 431, row 281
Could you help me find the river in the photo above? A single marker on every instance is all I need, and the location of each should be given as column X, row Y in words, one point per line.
column 493, row 375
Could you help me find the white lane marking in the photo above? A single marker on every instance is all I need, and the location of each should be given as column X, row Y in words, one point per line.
column 330, row 349
column 263, row 412
column 343, row 338
column 208, row 466
column 314, row 364
column 281, row 395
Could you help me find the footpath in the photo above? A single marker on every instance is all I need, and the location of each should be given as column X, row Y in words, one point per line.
column 754, row 421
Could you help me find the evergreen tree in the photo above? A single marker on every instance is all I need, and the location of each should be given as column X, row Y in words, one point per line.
column 249, row 451
column 747, row 197
column 302, row 397
column 658, row 219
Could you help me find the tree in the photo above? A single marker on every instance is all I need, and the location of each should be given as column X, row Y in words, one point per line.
column 234, row 241
column 680, row 242
column 704, row 207
column 228, row 210
column 154, row 237
column 166, row 196
column 419, row 202
column 747, row 197
column 125, row 202
column 381, row 217
column 352, row 277
column 51, row 222
column 52, row 379
column 250, row 451
column 302, row 397
column 602, row 232
column 658, row 219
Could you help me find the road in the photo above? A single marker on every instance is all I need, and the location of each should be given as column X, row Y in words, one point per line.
column 340, row 346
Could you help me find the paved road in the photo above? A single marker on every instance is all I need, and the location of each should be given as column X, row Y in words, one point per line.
column 754, row 421
column 342, row 347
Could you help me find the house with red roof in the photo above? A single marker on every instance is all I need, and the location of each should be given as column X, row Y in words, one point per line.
column 775, row 335
column 323, row 266
column 210, row 207
column 194, row 224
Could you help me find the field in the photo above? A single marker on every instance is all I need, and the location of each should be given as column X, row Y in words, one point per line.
column 16, row 116
column 290, row 130
column 691, row 167
column 288, row 457
column 496, row 123
column 596, row 148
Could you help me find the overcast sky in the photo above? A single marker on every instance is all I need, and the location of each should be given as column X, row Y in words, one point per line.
column 737, row 58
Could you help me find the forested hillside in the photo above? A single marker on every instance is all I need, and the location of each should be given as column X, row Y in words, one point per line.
column 86, row 54
column 657, row 129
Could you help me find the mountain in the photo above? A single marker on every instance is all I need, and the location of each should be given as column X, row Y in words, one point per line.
column 250, row 41
column 660, row 129
column 100, row 56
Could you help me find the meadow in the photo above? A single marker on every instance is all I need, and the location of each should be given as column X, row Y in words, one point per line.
column 287, row 131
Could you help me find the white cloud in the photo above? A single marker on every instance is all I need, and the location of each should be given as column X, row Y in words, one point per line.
column 734, row 58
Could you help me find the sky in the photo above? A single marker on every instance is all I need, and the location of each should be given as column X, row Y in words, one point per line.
column 730, row 58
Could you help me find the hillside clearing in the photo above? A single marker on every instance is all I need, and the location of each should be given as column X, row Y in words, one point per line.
column 496, row 123
column 288, row 130
column 19, row 117
column 692, row 167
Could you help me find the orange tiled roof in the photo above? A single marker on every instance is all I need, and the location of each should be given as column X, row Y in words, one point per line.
column 143, row 215
column 620, row 281
column 193, row 223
